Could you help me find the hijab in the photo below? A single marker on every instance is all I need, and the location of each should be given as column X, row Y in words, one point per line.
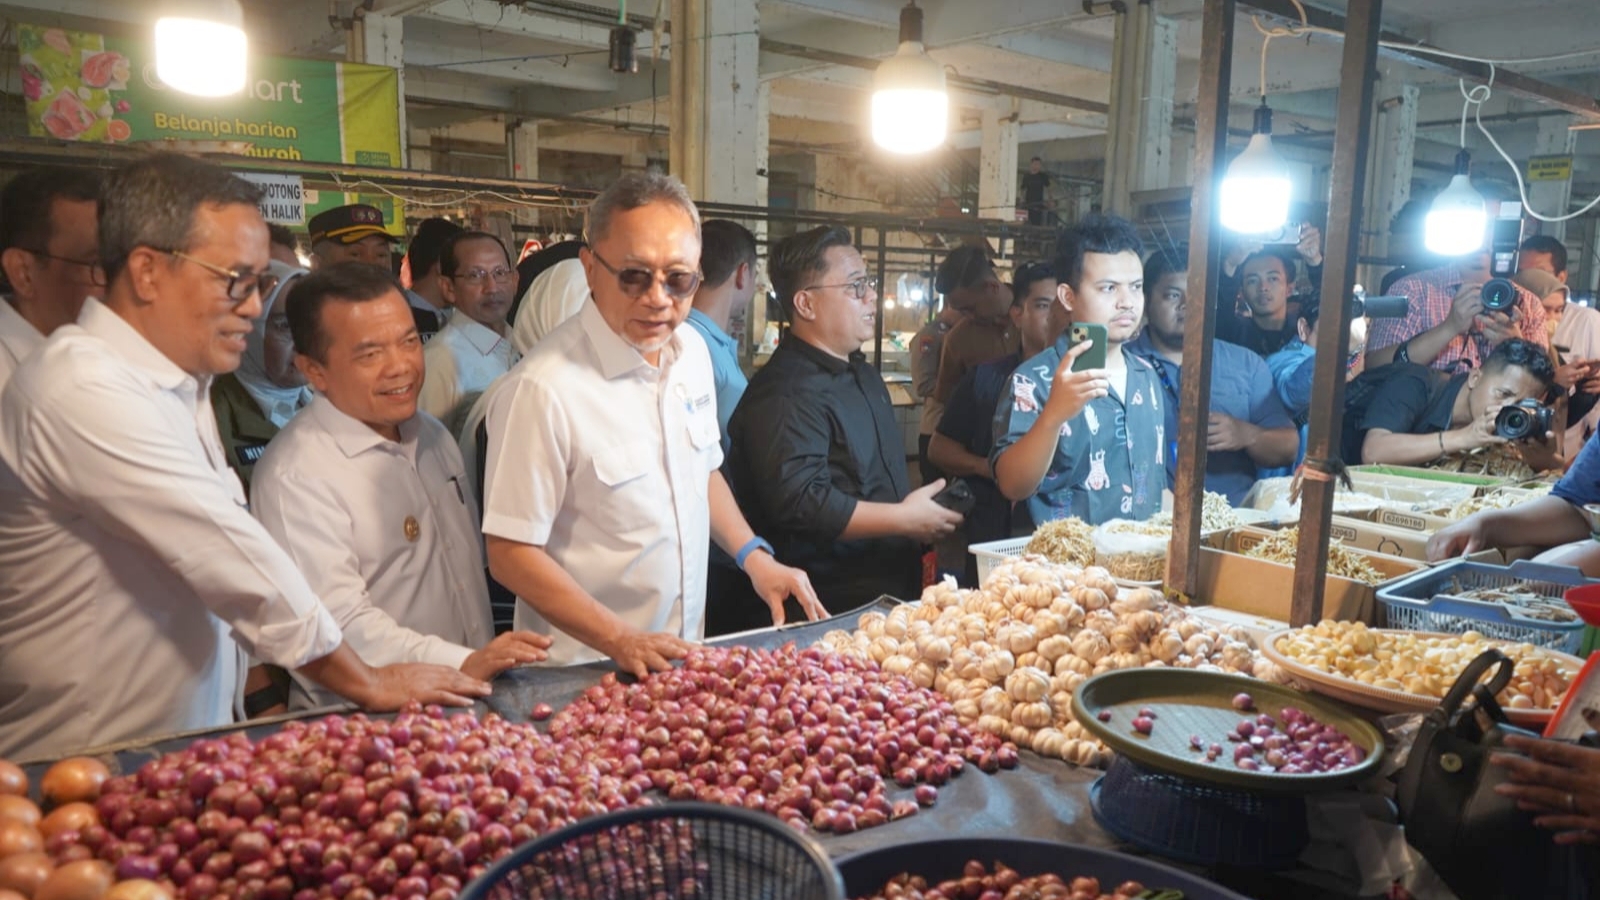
column 278, row 404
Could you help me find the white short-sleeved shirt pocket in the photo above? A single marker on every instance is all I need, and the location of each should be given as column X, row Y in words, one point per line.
column 626, row 498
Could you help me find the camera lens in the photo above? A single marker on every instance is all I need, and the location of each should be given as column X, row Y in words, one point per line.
column 1513, row 423
column 1498, row 295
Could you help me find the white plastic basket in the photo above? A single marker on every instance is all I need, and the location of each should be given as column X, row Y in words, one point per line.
column 992, row 553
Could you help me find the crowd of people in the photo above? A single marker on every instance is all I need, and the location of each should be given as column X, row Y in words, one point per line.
column 235, row 483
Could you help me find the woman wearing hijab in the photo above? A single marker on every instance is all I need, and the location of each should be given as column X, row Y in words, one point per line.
column 267, row 390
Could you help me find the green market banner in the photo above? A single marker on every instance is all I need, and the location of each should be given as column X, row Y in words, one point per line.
column 82, row 86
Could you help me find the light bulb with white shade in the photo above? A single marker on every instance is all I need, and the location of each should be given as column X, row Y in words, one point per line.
column 1457, row 219
column 910, row 104
column 201, row 47
column 1256, row 191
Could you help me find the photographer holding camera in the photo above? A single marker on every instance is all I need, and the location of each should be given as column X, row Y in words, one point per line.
column 1458, row 314
column 1418, row 415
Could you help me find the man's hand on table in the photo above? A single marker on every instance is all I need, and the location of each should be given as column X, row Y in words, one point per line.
column 514, row 648
column 776, row 583
column 641, row 652
column 426, row 683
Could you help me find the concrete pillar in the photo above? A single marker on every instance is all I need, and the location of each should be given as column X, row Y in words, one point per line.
column 378, row 40
column 733, row 117
column 687, row 84
column 1155, row 114
column 523, row 140
column 1143, row 82
column 1180, row 171
column 1552, row 198
column 997, row 167
column 1394, row 143
column 635, row 161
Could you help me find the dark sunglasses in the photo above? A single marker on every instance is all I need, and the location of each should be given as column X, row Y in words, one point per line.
column 678, row 284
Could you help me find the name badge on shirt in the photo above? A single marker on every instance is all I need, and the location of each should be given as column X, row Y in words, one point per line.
column 250, row 454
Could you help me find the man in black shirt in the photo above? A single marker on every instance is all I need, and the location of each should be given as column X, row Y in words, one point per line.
column 1419, row 414
column 1034, row 185
column 816, row 459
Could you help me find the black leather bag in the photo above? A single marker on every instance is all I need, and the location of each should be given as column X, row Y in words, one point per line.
column 1478, row 841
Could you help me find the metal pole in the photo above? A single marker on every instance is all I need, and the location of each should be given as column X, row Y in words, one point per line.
column 1205, row 262
column 883, row 256
column 1349, row 174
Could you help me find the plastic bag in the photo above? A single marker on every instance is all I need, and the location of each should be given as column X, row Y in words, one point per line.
column 1132, row 551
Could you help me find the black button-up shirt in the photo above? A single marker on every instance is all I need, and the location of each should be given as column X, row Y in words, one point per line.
column 812, row 436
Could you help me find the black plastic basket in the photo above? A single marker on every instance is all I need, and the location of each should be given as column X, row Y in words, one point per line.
column 865, row 873
column 671, row 851
column 1198, row 823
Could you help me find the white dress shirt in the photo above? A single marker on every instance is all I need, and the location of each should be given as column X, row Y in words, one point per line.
column 386, row 533
column 604, row 461
column 462, row 359
column 128, row 555
column 18, row 340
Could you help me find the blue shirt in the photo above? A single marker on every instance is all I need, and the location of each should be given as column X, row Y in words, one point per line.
column 1581, row 485
column 1241, row 387
column 725, row 371
column 1292, row 369
column 1109, row 457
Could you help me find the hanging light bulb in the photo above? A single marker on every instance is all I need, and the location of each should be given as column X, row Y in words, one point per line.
column 1457, row 218
column 1256, row 191
column 910, row 106
column 200, row 47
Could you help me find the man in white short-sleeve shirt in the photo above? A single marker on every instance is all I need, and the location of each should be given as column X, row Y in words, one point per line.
column 131, row 565
column 368, row 495
column 601, row 488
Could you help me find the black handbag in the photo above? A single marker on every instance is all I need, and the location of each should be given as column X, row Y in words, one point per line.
column 1478, row 842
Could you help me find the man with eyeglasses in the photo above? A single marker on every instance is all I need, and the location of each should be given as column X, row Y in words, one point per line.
column 817, row 460
column 49, row 256
column 601, row 488
column 475, row 347
column 134, row 573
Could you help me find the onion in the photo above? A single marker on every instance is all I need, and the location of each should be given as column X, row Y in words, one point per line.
column 19, row 837
column 83, row 880
column 24, row 872
column 12, row 779
column 19, row 809
column 137, row 889
column 77, row 779
column 69, row 817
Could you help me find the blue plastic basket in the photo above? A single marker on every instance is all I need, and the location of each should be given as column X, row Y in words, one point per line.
column 1422, row 601
column 671, row 851
column 1198, row 823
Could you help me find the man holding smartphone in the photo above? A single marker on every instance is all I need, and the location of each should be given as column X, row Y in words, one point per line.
column 1087, row 442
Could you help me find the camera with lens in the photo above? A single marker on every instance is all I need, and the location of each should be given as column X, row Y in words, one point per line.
column 1525, row 419
column 1498, row 294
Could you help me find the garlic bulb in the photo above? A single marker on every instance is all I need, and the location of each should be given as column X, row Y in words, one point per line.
column 1073, row 663
column 996, row 666
column 871, row 623
column 898, row 665
column 1090, row 598
column 1032, row 715
column 996, row 702
column 1054, row 647
column 1090, row 645
column 1027, row 685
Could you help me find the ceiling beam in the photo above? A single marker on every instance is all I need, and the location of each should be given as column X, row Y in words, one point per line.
column 538, row 70
column 1508, row 81
column 505, row 19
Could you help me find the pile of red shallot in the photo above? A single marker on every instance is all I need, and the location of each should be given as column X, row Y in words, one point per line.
column 808, row 735
column 1004, row 883
column 355, row 808
column 1295, row 743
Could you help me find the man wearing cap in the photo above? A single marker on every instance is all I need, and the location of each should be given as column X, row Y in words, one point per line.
column 1574, row 331
column 356, row 233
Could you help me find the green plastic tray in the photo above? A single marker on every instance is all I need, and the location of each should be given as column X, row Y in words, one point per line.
column 1201, row 703
column 1433, row 475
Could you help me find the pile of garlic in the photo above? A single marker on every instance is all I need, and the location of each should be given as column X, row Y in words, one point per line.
column 1010, row 654
column 1425, row 664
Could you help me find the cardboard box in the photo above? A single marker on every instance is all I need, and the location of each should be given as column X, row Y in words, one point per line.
column 1261, row 588
column 1364, row 535
column 1426, row 523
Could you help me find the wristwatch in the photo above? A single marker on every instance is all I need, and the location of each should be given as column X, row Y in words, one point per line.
column 1402, row 353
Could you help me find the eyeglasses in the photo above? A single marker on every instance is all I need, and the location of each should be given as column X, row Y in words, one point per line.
column 97, row 274
column 678, row 284
column 479, row 276
column 240, row 284
column 859, row 287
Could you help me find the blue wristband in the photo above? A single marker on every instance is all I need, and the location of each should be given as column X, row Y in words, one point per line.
column 750, row 547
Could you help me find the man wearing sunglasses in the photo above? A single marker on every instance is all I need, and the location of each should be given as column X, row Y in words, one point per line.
column 50, row 257
column 134, row 573
column 601, row 489
column 817, row 460
column 475, row 347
